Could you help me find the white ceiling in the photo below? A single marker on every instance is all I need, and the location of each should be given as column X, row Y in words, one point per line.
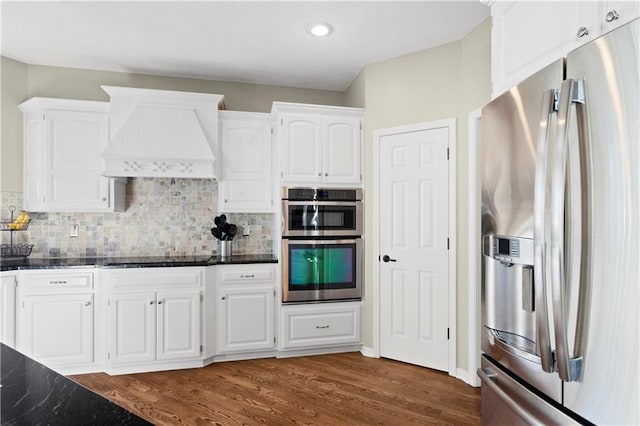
column 261, row 42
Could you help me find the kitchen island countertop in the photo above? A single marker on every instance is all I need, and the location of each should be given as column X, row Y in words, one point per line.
column 36, row 395
column 133, row 261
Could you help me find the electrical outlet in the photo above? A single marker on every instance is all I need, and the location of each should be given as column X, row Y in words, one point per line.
column 246, row 229
column 74, row 230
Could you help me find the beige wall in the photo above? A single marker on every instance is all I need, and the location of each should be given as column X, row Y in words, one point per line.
column 24, row 81
column 446, row 81
column 13, row 90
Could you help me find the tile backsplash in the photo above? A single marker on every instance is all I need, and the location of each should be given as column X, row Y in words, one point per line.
column 164, row 217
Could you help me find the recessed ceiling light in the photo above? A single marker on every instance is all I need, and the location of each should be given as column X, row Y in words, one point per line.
column 320, row 29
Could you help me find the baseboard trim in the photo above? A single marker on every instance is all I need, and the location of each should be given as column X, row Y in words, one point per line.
column 368, row 352
column 470, row 379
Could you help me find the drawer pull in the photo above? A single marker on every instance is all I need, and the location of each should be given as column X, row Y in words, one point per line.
column 322, row 326
column 57, row 282
column 87, row 303
column 247, row 276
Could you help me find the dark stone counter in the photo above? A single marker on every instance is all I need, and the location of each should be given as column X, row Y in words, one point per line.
column 133, row 262
column 33, row 394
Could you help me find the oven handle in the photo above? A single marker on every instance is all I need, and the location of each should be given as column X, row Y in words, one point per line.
column 321, row 203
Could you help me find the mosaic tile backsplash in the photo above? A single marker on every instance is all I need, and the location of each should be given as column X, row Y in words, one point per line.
column 164, row 217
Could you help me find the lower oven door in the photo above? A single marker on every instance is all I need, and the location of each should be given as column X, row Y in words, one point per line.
column 321, row 270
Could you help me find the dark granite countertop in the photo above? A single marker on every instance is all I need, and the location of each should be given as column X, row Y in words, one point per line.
column 133, row 261
column 36, row 395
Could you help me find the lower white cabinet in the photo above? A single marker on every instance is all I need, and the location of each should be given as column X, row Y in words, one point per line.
column 8, row 309
column 56, row 318
column 155, row 315
column 246, row 308
column 154, row 326
column 319, row 325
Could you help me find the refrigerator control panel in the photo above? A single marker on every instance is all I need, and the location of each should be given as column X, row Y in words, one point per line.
column 509, row 250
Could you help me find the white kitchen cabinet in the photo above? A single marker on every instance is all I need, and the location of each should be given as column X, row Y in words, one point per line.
column 154, row 326
column 246, row 181
column 8, row 309
column 320, row 144
column 63, row 140
column 527, row 36
column 246, row 308
column 56, row 318
column 319, row 325
column 155, row 317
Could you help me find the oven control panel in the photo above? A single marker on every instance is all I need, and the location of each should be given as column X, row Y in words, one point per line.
column 322, row 194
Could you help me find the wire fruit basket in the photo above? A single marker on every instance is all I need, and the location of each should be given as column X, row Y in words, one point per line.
column 20, row 223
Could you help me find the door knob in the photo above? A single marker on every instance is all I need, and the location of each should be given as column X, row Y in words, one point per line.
column 386, row 259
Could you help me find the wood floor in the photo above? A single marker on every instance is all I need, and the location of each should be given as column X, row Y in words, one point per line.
column 340, row 389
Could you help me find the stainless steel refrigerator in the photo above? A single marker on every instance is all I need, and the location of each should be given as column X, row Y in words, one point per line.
column 560, row 241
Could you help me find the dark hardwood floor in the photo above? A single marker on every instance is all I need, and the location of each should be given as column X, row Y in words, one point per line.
column 340, row 389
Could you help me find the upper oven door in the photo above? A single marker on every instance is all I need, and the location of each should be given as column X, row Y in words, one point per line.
column 322, row 218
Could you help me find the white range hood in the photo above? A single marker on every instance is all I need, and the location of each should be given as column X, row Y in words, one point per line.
column 159, row 133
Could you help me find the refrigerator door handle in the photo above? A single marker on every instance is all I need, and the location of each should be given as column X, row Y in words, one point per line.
column 541, row 232
column 568, row 366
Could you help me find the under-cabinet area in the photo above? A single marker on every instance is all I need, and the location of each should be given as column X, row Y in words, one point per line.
column 124, row 320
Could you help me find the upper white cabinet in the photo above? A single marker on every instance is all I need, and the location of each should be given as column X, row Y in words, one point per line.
column 246, row 181
column 526, row 36
column 63, row 140
column 319, row 144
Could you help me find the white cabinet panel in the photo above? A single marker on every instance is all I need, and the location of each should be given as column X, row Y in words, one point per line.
column 246, row 318
column 342, row 146
column 8, row 310
column 302, row 148
column 132, row 327
column 246, row 181
column 63, row 141
column 330, row 324
column 58, row 329
column 178, row 322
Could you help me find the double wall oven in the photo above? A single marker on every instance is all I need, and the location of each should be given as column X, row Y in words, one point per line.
column 321, row 244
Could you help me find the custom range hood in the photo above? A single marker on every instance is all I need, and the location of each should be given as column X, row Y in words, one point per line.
column 159, row 133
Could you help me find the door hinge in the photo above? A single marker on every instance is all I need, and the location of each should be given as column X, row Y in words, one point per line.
column 109, row 302
column 281, row 174
column 447, row 153
column 447, row 243
column 201, row 297
column 44, row 117
column 274, row 292
column 360, row 126
column 200, row 348
column 272, row 130
column 447, row 333
column 274, row 340
column 108, row 355
column 281, row 121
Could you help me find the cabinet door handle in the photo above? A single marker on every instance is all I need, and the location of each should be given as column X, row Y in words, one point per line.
column 612, row 15
column 159, row 302
column 224, row 297
column 582, row 31
column 247, row 276
column 226, row 201
column 87, row 303
column 104, row 199
column 151, row 302
column 57, row 282
column 326, row 174
column 319, row 174
column 322, row 326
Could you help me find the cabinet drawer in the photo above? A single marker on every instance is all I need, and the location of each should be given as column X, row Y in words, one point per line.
column 311, row 326
column 246, row 274
column 56, row 282
column 155, row 278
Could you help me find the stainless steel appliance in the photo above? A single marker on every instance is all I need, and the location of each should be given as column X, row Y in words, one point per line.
column 561, row 236
column 321, row 244
column 316, row 212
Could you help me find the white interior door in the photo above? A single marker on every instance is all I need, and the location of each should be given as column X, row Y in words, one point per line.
column 414, row 223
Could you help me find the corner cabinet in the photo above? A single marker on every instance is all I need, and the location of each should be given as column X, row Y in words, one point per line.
column 56, row 318
column 246, row 308
column 527, row 36
column 319, row 144
column 246, row 179
column 63, row 141
column 154, row 318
